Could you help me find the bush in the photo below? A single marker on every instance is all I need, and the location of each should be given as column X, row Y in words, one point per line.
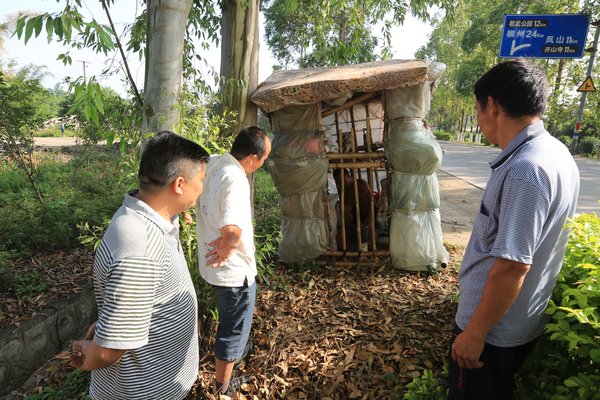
column 589, row 145
column 443, row 135
column 565, row 362
column 566, row 140
column 425, row 387
column 73, row 192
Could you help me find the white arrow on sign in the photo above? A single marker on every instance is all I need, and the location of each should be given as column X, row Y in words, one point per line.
column 514, row 48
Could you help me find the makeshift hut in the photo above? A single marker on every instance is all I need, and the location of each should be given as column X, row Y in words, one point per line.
column 354, row 163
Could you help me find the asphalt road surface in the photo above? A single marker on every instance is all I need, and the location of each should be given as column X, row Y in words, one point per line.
column 471, row 163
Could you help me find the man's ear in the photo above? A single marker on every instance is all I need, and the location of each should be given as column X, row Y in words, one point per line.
column 177, row 185
column 492, row 105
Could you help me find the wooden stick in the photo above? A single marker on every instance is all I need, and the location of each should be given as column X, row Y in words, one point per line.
column 358, row 164
column 359, row 156
column 358, row 263
column 370, row 173
column 354, row 179
column 342, row 206
column 351, row 103
column 378, row 253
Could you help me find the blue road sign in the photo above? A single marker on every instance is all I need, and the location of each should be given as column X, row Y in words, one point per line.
column 544, row 36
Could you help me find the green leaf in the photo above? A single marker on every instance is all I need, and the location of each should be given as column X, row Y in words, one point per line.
column 58, row 27
column 20, row 26
column 28, row 30
column 49, row 28
column 38, row 24
column 66, row 24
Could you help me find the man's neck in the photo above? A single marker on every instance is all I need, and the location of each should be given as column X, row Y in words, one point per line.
column 511, row 127
column 157, row 203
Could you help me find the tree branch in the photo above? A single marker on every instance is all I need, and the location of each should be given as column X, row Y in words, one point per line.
column 129, row 76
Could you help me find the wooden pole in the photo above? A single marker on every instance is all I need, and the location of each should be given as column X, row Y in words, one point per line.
column 342, row 205
column 370, row 173
column 377, row 155
column 378, row 253
column 358, row 164
column 354, row 179
column 350, row 104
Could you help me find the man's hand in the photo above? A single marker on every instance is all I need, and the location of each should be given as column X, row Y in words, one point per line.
column 467, row 349
column 219, row 254
column 80, row 349
column 224, row 246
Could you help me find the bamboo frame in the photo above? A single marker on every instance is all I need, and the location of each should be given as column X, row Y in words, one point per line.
column 370, row 171
column 358, row 164
column 355, row 181
column 342, row 197
column 359, row 156
column 350, row 103
column 338, row 253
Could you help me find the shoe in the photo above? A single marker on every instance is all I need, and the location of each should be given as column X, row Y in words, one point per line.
column 233, row 386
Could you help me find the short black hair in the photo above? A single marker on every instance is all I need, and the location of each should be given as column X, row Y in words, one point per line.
column 167, row 156
column 250, row 140
column 519, row 86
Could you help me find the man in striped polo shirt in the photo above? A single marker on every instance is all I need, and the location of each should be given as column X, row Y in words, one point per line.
column 145, row 342
column 518, row 241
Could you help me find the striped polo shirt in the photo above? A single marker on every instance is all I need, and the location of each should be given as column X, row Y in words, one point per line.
column 147, row 305
column 531, row 193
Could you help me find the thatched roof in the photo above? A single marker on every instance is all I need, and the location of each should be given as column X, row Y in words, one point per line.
column 308, row 86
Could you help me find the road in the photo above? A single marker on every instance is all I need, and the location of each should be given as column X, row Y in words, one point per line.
column 470, row 163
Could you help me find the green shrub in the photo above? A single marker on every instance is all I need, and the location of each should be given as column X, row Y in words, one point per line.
column 29, row 284
column 565, row 362
column 443, row 135
column 73, row 192
column 425, row 387
column 589, row 145
column 566, row 140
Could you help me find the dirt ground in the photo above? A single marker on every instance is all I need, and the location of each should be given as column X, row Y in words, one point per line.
column 459, row 203
column 321, row 334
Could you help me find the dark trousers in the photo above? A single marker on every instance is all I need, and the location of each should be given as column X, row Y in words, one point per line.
column 493, row 381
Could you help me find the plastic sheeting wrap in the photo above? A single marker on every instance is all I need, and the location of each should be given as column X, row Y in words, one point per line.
column 416, row 242
column 298, row 166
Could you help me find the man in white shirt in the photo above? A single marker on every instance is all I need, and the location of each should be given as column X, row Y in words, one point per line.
column 226, row 246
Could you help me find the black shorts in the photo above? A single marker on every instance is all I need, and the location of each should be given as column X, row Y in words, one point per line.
column 493, row 381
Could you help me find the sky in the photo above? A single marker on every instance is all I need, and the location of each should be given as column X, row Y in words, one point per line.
column 406, row 40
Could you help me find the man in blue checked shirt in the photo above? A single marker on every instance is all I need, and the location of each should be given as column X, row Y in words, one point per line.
column 519, row 238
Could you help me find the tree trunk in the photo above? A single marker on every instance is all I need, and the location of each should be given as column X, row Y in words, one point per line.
column 239, row 58
column 167, row 21
column 554, row 96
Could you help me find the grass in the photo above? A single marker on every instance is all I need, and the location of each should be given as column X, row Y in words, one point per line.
column 81, row 187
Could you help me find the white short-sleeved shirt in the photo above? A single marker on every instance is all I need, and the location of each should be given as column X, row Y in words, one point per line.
column 147, row 305
column 531, row 193
column 225, row 200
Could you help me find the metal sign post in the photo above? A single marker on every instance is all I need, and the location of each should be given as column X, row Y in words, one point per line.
column 583, row 90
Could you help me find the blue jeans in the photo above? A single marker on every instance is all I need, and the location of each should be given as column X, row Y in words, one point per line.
column 236, row 308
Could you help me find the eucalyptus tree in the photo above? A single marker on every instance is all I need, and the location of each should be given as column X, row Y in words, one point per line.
column 316, row 33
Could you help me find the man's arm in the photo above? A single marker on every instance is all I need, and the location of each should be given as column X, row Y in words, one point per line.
column 501, row 289
column 92, row 356
column 224, row 245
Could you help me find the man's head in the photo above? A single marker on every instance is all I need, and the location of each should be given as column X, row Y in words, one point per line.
column 251, row 148
column 174, row 164
column 519, row 87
